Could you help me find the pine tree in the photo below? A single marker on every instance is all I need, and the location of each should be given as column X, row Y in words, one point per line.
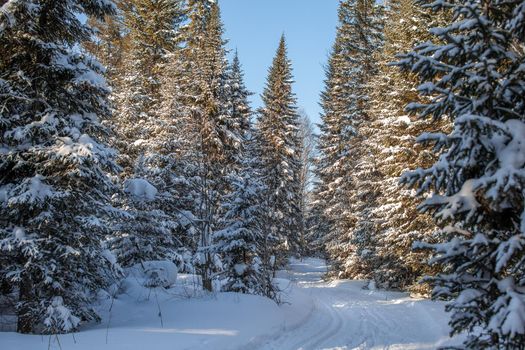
column 474, row 75
column 55, row 164
column 153, row 34
column 317, row 227
column 110, row 44
column 277, row 133
column 239, row 107
column 239, row 241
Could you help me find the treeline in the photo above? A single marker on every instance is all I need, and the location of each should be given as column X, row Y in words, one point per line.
column 430, row 94
column 367, row 221
column 152, row 154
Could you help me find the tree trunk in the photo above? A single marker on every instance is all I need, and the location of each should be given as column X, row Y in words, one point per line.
column 206, row 275
column 5, row 287
column 24, row 323
column 206, row 284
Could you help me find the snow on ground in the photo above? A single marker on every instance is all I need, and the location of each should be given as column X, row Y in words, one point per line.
column 346, row 316
column 316, row 315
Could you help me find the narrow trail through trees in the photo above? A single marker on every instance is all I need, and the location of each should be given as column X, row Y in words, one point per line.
column 346, row 316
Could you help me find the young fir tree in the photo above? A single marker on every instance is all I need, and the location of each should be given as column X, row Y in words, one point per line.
column 474, row 75
column 398, row 222
column 239, row 106
column 54, row 162
column 277, row 133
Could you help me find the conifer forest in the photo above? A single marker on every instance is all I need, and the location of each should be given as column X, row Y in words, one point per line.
column 146, row 203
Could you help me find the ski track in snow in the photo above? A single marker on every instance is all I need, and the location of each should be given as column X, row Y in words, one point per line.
column 346, row 316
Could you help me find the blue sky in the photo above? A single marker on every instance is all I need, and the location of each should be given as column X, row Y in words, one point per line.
column 254, row 28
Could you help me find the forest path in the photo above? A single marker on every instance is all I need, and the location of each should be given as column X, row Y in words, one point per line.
column 346, row 316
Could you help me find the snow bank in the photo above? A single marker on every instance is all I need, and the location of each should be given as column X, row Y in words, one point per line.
column 178, row 317
column 153, row 274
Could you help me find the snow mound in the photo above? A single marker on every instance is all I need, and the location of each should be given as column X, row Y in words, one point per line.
column 153, row 274
column 141, row 189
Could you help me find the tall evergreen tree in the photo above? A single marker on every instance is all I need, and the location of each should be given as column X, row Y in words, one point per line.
column 109, row 44
column 152, row 27
column 215, row 133
column 241, row 241
column 54, row 163
column 475, row 76
column 277, row 133
column 398, row 223
column 365, row 22
column 347, row 187
column 335, row 132
column 145, row 135
column 240, row 110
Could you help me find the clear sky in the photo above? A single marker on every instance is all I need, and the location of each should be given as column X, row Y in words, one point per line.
column 254, row 28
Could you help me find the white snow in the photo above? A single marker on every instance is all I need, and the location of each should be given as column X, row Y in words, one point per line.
column 84, row 146
column 347, row 316
column 155, row 273
column 315, row 315
column 240, row 269
column 4, row 193
column 59, row 316
column 463, row 201
column 32, row 190
column 141, row 189
column 19, row 233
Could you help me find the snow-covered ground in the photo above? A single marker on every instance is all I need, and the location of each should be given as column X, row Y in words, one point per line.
column 315, row 315
column 346, row 316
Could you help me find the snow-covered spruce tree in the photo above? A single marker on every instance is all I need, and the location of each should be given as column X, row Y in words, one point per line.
column 152, row 28
column 475, row 76
column 347, row 172
column 54, row 164
column 277, row 134
column 330, row 189
column 399, row 223
column 216, row 137
column 239, row 107
column 146, row 138
column 316, row 221
column 238, row 240
column 241, row 240
column 364, row 39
